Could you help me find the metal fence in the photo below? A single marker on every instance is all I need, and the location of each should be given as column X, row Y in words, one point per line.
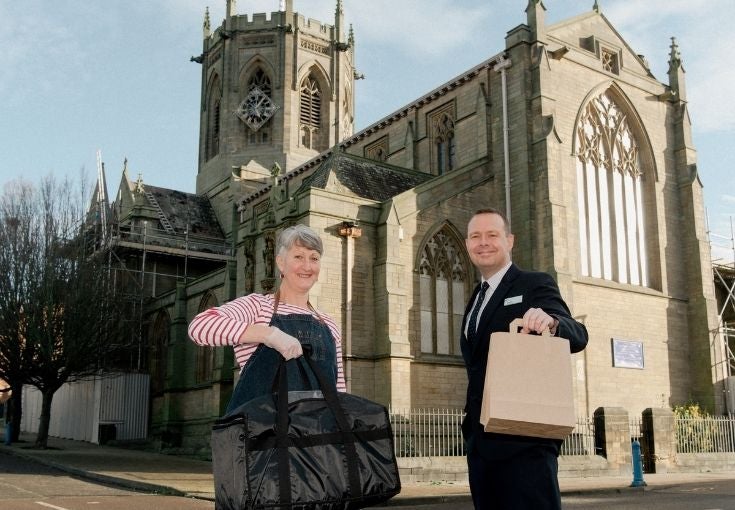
column 582, row 439
column 639, row 432
column 438, row 432
column 715, row 434
column 427, row 432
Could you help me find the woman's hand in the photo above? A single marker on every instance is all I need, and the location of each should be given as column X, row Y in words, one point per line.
column 288, row 346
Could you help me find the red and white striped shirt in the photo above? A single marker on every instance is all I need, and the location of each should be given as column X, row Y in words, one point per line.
column 224, row 325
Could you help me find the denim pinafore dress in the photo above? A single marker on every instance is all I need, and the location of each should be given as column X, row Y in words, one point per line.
column 260, row 370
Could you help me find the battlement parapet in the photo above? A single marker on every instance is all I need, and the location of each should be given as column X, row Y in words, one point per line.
column 313, row 26
column 262, row 21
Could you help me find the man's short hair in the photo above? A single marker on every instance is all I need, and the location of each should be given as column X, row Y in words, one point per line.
column 492, row 210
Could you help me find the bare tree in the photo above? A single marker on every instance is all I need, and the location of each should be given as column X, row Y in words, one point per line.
column 66, row 323
column 18, row 244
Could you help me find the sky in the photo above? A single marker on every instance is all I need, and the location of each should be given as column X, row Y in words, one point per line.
column 81, row 76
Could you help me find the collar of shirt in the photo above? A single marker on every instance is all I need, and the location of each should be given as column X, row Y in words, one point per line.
column 493, row 283
column 494, row 280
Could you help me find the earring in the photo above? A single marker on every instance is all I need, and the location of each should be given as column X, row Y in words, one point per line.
column 281, row 276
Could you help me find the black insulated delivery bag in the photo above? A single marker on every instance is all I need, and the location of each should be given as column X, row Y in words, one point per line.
column 316, row 449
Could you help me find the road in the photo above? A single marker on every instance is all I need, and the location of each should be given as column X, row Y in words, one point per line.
column 26, row 485
column 715, row 495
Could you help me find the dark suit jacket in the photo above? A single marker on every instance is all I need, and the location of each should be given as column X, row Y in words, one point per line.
column 537, row 290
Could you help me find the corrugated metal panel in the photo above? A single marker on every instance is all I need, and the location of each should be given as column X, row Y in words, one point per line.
column 31, row 409
column 124, row 401
column 70, row 411
column 78, row 409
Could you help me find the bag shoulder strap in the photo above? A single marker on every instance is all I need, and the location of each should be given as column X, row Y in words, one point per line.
column 348, row 437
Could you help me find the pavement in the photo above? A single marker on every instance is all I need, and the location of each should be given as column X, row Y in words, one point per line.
column 184, row 476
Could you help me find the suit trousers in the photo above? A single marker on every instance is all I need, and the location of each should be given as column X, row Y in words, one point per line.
column 526, row 481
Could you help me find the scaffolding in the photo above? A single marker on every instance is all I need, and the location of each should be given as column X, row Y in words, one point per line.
column 145, row 262
column 723, row 269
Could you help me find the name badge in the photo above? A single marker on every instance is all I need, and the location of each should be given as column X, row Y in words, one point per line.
column 513, row 300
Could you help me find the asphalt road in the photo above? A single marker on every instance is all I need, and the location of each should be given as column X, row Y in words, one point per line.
column 26, row 485
column 716, row 495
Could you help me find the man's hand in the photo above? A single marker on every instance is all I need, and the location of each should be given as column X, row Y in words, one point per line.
column 288, row 346
column 537, row 321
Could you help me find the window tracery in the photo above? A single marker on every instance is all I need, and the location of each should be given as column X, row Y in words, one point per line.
column 444, row 140
column 610, row 195
column 213, row 120
column 310, row 113
column 443, row 288
column 609, row 61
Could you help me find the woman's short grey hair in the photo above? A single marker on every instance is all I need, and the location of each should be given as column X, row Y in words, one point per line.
column 300, row 235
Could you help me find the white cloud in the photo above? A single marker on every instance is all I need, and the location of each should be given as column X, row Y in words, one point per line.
column 706, row 50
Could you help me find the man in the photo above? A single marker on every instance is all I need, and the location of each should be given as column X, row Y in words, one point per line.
column 507, row 471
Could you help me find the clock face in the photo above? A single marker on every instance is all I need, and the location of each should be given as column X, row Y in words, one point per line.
column 256, row 109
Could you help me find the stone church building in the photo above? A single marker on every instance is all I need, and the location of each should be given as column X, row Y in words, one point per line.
column 565, row 128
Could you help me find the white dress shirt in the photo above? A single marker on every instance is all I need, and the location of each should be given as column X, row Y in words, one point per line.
column 493, row 283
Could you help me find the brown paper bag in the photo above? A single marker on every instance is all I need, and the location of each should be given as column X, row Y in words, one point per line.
column 528, row 385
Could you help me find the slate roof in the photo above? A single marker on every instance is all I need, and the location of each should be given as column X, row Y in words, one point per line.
column 182, row 209
column 362, row 177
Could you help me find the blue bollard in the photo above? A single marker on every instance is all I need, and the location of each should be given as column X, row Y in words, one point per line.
column 637, row 466
column 8, row 433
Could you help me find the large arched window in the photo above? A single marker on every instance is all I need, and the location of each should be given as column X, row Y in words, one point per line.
column 443, row 288
column 205, row 353
column 610, row 194
column 158, row 358
column 310, row 114
column 214, row 105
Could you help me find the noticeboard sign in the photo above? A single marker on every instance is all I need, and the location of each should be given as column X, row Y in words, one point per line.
column 627, row 353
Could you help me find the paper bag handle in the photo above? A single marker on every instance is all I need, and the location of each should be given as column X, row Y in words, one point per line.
column 517, row 324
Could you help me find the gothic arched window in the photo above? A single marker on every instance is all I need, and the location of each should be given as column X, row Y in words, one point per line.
column 310, row 114
column 205, row 353
column 257, row 108
column 261, row 80
column 443, row 288
column 158, row 358
column 445, row 144
column 610, row 195
column 213, row 119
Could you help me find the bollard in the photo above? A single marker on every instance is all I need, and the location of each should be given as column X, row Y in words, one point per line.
column 637, row 466
column 8, row 433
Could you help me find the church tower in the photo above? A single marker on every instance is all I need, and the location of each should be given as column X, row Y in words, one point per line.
column 275, row 90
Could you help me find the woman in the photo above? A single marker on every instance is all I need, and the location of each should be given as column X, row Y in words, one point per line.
column 265, row 328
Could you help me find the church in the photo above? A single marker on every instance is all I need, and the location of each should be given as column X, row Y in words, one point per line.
column 564, row 128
